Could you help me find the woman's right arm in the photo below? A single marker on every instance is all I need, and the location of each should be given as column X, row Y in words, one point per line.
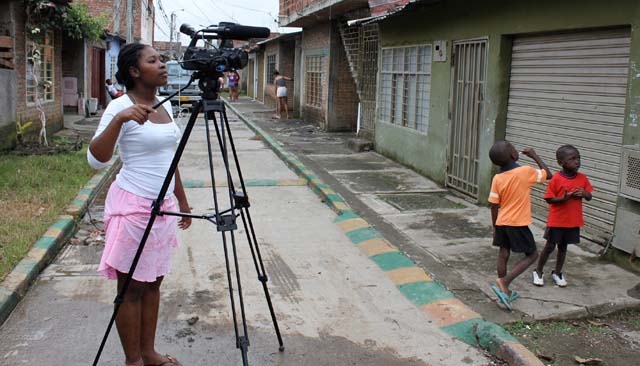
column 103, row 144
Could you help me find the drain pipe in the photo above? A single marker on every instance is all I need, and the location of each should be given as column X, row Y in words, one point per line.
column 358, row 121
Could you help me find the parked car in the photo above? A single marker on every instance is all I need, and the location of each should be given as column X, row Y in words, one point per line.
column 177, row 79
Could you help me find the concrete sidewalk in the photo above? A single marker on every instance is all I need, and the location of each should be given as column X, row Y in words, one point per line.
column 333, row 304
column 445, row 235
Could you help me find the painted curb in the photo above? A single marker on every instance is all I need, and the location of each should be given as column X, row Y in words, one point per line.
column 449, row 313
column 16, row 284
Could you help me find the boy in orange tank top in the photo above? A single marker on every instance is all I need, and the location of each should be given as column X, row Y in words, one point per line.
column 564, row 195
column 511, row 213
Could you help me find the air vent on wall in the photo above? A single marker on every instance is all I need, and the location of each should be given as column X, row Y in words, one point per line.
column 630, row 174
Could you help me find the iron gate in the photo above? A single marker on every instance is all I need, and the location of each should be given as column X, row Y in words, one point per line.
column 468, row 75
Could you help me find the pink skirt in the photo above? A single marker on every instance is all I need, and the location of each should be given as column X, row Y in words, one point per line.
column 125, row 219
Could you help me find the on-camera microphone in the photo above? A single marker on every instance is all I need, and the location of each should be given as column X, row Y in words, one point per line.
column 187, row 29
column 241, row 32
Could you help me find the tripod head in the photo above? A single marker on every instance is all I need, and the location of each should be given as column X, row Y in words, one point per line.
column 209, row 84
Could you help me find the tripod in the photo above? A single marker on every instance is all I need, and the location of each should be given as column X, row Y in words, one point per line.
column 224, row 219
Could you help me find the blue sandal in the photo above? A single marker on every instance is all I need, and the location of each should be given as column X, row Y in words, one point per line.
column 503, row 298
column 514, row 296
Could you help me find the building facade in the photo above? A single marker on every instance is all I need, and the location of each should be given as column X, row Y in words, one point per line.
column 540, row 74
column 21, row 80
column 327, row 84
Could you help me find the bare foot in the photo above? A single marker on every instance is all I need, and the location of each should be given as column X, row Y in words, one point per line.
column 140, row 362
column 505, row 290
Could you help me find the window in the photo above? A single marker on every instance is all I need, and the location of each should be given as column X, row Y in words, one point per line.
column 40, row 71
column 271, row 67
column 405, row 83
column 313, row 81
column 113, row 67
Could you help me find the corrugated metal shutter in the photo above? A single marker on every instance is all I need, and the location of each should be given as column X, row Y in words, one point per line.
column 570, row 88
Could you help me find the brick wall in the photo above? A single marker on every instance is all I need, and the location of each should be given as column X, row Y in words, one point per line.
column 261, row 71
column 343, row 98
column 271, row 48
column 288, row 7
column 53, row 109
column 286, row 64
column 108, row 7
column 316, row 40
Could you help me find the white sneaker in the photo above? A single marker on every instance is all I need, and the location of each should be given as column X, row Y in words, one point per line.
column 537, row 280
column 558, row 279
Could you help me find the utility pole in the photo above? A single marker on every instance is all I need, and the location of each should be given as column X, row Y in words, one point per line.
column 129, row 21
column 171, row 31
column 116, row 18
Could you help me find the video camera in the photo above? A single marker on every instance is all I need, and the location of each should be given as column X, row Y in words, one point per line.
column 224, row 57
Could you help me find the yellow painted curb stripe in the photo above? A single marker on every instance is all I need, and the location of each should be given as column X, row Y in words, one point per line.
column 341, row 206
column 352, row 224
column 376, row 246
column 403, row 276
column 449, row 311
column 52, row 232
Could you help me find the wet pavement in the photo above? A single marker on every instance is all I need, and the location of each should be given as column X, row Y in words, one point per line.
column 444, row 234
column 334, row 306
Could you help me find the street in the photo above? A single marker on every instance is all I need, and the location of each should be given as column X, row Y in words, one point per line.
column 333, row 304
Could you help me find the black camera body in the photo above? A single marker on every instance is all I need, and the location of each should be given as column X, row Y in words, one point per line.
column 214, row 60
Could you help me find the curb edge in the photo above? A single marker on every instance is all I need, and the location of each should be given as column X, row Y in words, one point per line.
column 16, row 284
column 472, row 329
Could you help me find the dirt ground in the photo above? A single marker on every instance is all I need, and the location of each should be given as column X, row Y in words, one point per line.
column 614, row 339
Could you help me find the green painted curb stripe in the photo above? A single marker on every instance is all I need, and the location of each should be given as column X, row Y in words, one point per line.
column 87, row 191
column 8, row 301
column 392, row 260
column 489, row 335
column 421, row 293
column 63, row 224
column 346, row 215
column 45, row 243
column 334, row 197
column 363, row 234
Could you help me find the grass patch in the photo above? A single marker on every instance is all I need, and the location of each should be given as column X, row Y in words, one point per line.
column 34, row 191
column 541, row 329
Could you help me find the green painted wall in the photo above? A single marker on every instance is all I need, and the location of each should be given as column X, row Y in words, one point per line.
column 497, row 21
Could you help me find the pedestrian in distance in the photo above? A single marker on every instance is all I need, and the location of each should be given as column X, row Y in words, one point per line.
column 233, row 80
column 511, row 213
column 565, row 193
column 147, row 140
column 112, row 90
column 280, row 85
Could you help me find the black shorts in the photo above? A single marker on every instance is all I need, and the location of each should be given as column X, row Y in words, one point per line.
column 518, row 239
column 562, row 236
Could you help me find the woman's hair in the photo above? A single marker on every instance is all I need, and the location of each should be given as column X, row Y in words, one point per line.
column 275, row 72
column 128, row 57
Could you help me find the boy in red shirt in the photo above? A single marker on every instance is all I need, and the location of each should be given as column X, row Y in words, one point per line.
column 511, row 213
column 564, row 195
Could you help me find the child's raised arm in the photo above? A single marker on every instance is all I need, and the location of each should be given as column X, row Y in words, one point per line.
column 532, row 154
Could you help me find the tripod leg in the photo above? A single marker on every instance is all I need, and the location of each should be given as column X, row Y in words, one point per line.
column 154, row 213
column 259, row 265
column 251, row 236
column 242, row 341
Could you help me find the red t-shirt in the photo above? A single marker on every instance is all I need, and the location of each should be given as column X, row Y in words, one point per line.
column 569, row 213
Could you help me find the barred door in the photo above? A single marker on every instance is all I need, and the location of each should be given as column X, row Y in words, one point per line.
column 468, row 75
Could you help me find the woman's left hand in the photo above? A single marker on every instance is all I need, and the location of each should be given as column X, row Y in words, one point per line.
column 184, row 222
